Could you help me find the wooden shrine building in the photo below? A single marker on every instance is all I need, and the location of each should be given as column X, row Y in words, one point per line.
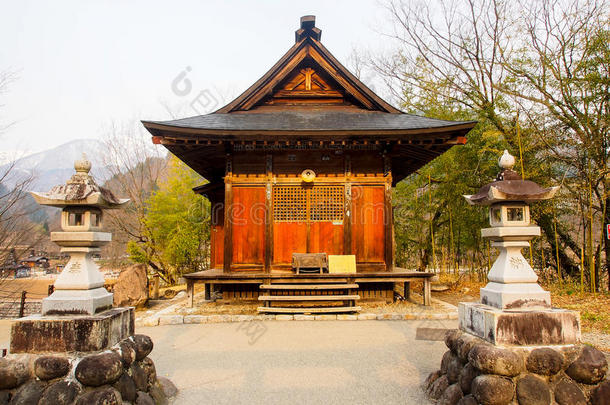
column 304, row 161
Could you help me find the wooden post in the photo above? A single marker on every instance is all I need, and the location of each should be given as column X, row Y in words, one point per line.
column 155, row 289
column 347, row 214
column 427, row 292
column 268, row 214
column 228, row 225
column 407, row 290
column 388, row 217
column 190, row 292
column 22, row 305
column 207, row 291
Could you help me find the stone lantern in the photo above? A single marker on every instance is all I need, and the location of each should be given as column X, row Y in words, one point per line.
column 514, row 309
column 79, row 289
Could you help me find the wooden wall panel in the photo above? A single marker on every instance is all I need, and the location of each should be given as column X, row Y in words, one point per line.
column 368, row 223
column 217, row 235
column 248, row 222
column 288, row 238
column 324, row 237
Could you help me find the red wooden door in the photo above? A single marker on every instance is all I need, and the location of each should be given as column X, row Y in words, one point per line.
column 248, row 227
column 368, row 224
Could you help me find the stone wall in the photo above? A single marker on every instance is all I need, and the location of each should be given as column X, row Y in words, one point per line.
column 121, row 375
column 476, row 372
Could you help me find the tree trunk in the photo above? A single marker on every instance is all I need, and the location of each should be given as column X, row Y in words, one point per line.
column 607, row 239
column 545, row 221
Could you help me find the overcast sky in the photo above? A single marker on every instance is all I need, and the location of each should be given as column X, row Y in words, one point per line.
column 82, row 64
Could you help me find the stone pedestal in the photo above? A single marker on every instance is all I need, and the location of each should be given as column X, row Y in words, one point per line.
column 550, row 326
column 76, row 333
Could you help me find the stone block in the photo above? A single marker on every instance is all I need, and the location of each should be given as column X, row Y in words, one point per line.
column 520, row 327
column 188, row 319
column 300, row 317
column 78, row 333
column 347, row 317
column 171, row 319
column 326, row 317
column 151, row 321
column 367, row 317
column 219, row 318
column 284, row 317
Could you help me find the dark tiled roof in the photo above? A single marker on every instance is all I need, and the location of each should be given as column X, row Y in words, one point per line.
column 309, row 121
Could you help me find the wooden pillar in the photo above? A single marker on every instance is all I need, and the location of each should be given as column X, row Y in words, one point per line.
column 407, row 290
column 427, row 293
column 228, row 220
column 268, row 213
column 190, row 292
column 347, row 217
column 389, row 220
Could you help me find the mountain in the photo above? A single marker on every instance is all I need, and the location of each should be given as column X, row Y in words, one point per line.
column 54, row 166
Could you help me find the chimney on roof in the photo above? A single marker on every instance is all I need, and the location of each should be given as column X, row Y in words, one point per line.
column 308, row 29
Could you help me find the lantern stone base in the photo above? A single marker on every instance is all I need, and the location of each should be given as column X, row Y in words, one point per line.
column 551, row 326
column 77, row 302
column 76, row 333
column 515, row 296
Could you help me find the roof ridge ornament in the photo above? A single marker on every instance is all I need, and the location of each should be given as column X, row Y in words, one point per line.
column 308, row 29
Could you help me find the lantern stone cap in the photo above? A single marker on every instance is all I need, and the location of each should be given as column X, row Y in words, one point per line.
column 80, row 189
column 509, row 186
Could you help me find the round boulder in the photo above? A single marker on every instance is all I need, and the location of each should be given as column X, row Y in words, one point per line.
column 50, row 367
column 468, row 400
column 494, row 360
column 451, row 396
column 453, row 370
column 451, row 337
column 438, row 387
column 493, row 390
column 29, row 393
column 139, row 376
column 131, row 288
column 144, row 399
column 601, row 394
column 60, row 393
column 447, row 358
column 567, row 392
column 464, row 344
column 433, row 376
column 12, row 374
column 544, row 361
column 467, row 374
column 101, row 396
column 144, row 346
column 99, row 369
column 149, row 367
column 127, row 349
column 590, row 367
column 126, row 387
column 532, row 390
column 168, row 387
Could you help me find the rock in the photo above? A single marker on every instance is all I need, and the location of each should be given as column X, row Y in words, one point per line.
column 567, row 392
column 494, row 360
column 50, row 367
column 127, row 350
column 99, row 369
column 126, row 387
column 131, row 288
column 468, row 373
column 447, row 357
column 100, row 396
column 144, row 399
column 464, row 344
column 149, row 368
column 139, row 376
column 493, row 390
column 29, row 393
column 590, row 367
column 144, row 345
column 451, row 337
column 468, row 400
column 601, row 394
column 435, row 375
column 451, row 396
column 168, row 387
column 12, row 374
column 157, row 394
column 438, row 387
column 545, row 361
column 453, row 370
column 532, row 390
column 181, row 294
column 5, row 396
column 60, row 393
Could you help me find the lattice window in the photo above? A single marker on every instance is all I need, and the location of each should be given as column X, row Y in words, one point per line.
column 289, row 204
column 316, row 204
